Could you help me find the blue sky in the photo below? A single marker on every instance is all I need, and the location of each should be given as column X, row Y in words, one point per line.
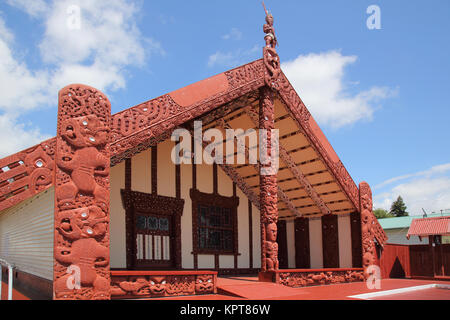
column 380, row 96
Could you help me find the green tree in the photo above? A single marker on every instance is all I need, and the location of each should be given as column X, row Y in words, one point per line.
column 381, row 213
column 398, row 208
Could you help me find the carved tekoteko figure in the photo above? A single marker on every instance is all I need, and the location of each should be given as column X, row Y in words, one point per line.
column 270, row 55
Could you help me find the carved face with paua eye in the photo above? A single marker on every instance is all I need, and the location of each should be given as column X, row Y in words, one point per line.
column 157, row 286
column 204, row 284
column 86, row 131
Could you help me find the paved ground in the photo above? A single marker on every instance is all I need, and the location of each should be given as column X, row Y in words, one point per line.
column 248, row 288
column 16, row 294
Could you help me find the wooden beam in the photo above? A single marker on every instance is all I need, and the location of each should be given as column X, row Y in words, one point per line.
column 281, row 194
column 299, row 176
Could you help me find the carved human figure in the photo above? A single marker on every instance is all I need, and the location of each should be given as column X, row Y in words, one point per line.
column 88, row 222
column 269, row 30
column 271, row 247
column 87, row 255
column 367, row 228
column 270, row 55
column 84, row 134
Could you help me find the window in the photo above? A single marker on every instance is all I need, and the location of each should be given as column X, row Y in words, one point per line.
column 214, row 223
column 215, row 228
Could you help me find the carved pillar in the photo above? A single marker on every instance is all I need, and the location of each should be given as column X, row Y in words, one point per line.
column 81, row 243
column 367, row 232
column 268, row 187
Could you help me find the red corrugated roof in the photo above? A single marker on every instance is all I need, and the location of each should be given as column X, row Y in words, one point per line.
column 429, row 226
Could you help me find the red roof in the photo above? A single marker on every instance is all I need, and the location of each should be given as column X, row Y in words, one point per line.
column 429, row 226
column 29, row 172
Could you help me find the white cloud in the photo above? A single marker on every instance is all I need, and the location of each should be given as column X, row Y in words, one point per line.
column 16, row 136
column 232, row 58
column 428, row 189
column 234, row 34
column 97, row 54
column 22, row 89
column 439, row 169
column 31, row 7
column 319, row 80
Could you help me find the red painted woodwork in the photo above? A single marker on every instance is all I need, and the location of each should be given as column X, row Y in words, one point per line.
column 268, row 188
column 270, row 55
column 415, row 261
column 370, row 229
column 138, row 128
column 395, row 261
column 81, row 243
column 282, row 244
column 24, row 174
column 157, row 284
column 313, row 277
column 330, row 241
column 302, row 248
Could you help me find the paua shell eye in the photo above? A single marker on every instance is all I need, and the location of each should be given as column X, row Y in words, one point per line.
column 152, row 283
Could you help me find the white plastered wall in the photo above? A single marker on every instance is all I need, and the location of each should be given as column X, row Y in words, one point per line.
column 290, row 234
column 141, row 181
column 117, row 218
column 315, row 243
column 345, row 241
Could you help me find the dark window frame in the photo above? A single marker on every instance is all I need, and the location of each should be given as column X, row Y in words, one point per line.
column 214, row 200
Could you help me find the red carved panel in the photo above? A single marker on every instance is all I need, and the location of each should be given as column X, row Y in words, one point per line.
column 143, row 284
column 268, row 188
column 330, row 241
column 81, row 245
column 306, row 278
column 302, row 248
column 26, row 173
column 370, row 228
